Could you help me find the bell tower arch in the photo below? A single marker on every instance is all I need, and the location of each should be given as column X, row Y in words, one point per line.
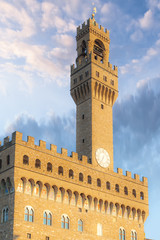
column 94, row 89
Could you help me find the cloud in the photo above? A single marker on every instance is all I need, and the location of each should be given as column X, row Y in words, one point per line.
column 64, row 40
column 154, row 4
column 34, row 58
column 53, row 129
column 17, row 19
column 51, row 11
column 147, row 21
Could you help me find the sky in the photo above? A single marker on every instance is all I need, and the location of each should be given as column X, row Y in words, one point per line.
column 37, row 47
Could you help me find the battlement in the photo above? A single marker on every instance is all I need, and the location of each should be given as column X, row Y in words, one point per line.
column 91, row 23
column 128, row 176
column 17, row 139
column 108, row 66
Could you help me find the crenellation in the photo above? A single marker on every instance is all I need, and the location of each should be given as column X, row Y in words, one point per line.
column 6, row 140
column 75, row 156
column 145, row 180
column 93, row 25
column 101, row 28
column 120, row 171
column 64, row 152
column 84, row 159
column 83, row 25
column 110, row 65
column 16, row 137
column 129, row 174
column 137, row 177
column 72, row 67
column 53, row 148
column 30, row 141
column 42, row 144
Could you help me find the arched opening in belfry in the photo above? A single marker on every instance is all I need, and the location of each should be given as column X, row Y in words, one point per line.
column 99, row 49
column 84, row 48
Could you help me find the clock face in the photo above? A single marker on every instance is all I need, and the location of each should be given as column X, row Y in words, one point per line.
column 102, row 157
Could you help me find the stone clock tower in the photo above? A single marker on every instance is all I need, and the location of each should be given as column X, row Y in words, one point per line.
column 94, row 89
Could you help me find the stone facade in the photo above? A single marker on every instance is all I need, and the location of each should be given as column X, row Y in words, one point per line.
column 48, row 195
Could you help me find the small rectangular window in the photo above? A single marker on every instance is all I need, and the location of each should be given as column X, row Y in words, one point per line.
column 112, row 82
column 75, row 80
column 81, row 77
column 83, row 140
column 89, row 160
column 86, row 73
column 105, row 78
column 82, row 116
column 102, row 106
column 97, row 74
column 47, row 238
column 28, row 235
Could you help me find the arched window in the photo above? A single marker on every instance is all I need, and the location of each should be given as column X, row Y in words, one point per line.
column 125, row 190
column 8, row 159
column 67, row 223
column 89, row 179
column 0, row 163
column 80, row 225
column 108, row 185
column 5, row 215
column 134, row 192
column 98, row 182
column 64, row 221
column 133, row 235
column 99, row 229
column 71, row 174
column 60, row 170
column 117, row 188
column 98, row 49
column 49, row 167
column 25, row 160
column 81, row 177
column 38, row 163
column 29, row 214
column 84, row 48
column 122, row 234
column 26, row 214
column 47, row 218
column 141, row 195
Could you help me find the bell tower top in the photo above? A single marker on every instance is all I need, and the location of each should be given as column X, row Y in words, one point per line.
column 92, row 38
